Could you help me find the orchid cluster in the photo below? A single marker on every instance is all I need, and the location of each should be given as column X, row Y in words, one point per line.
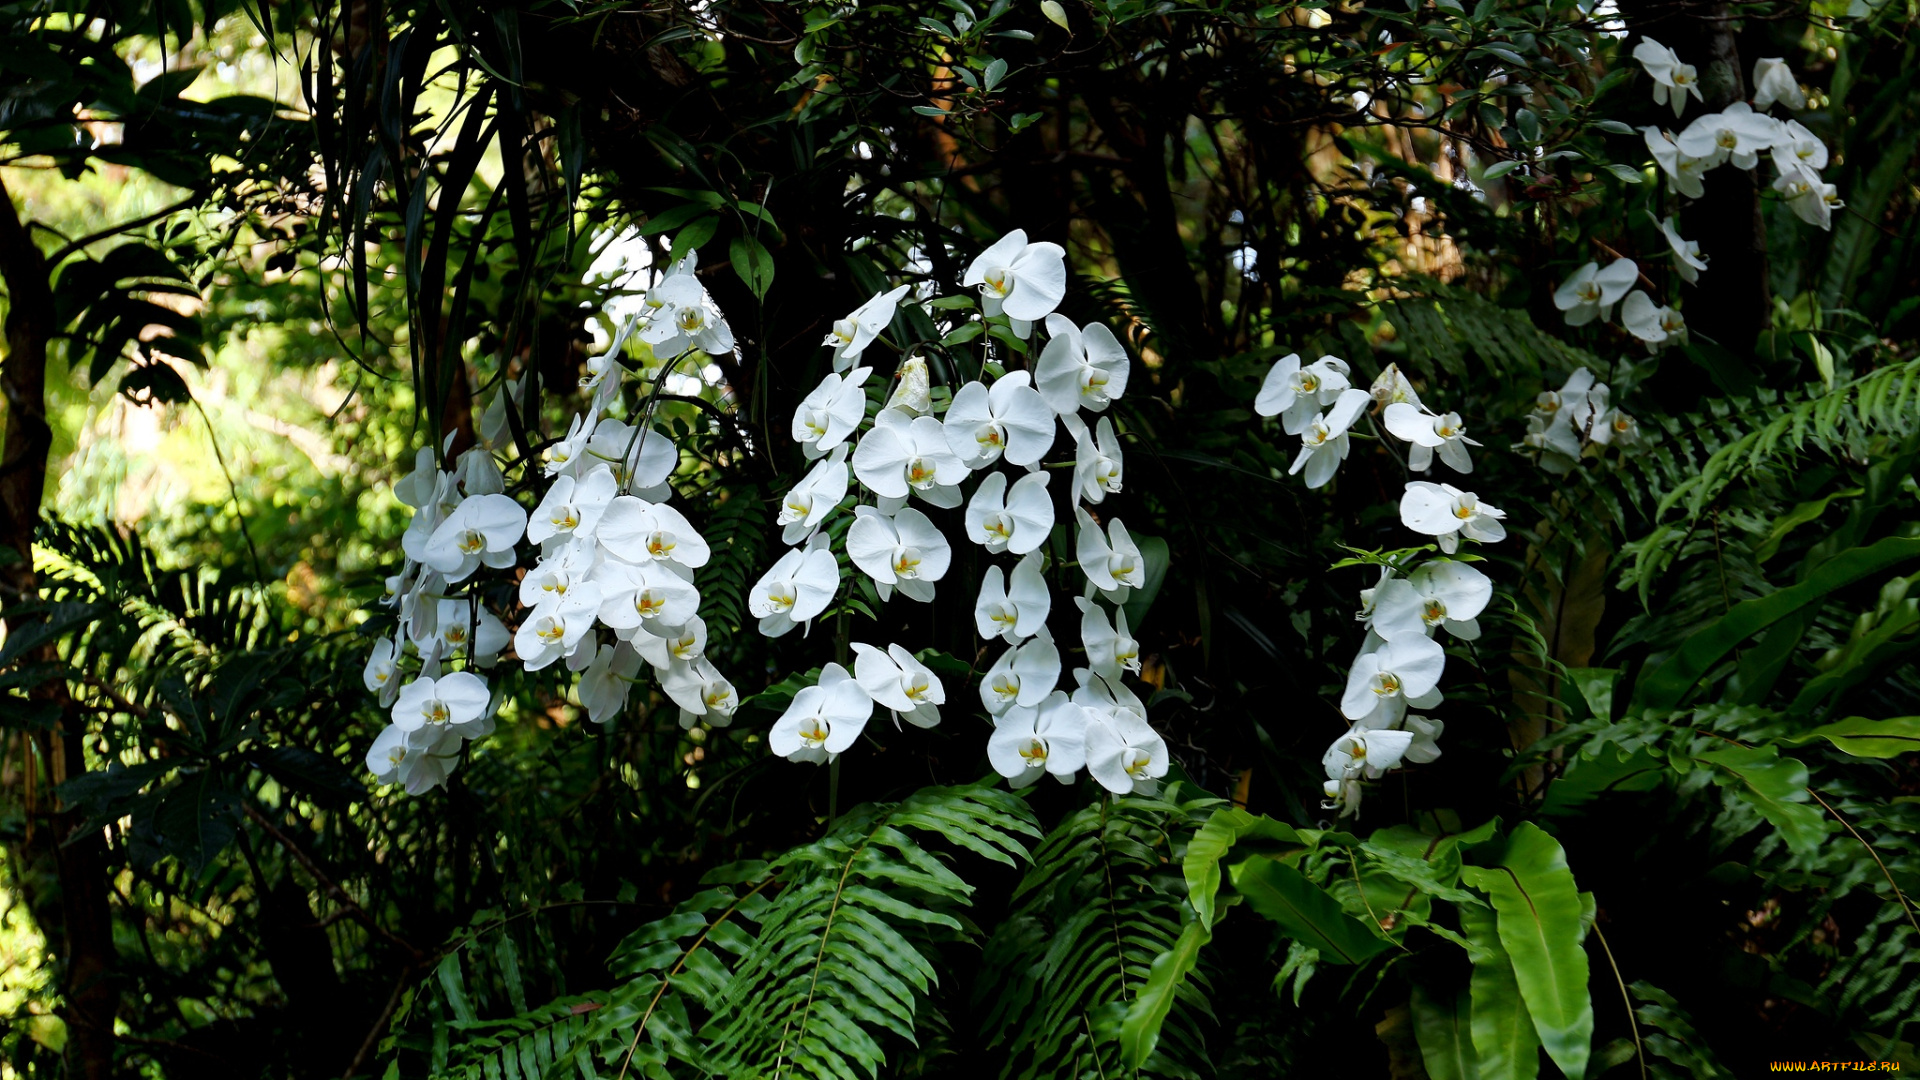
column 1581, row 414
column 1737, row 135
column 1400, row 663
column 984, row 456
column 612, row 586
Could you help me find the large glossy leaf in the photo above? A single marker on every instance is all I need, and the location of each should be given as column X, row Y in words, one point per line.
column 1775, row 786
column 1862, row 737
column 1669, row 684
column 1304, row 911
column 1443, row 1022
column 1225, row 829
column 1140, row 1032
column 1505, row 1044
column 1539, row 923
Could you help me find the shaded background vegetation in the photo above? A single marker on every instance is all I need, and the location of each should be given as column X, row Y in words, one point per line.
column 257, row 253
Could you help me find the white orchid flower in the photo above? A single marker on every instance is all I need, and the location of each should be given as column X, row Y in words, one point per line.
column 1687, row 260
column 1342, row 795
column 420, row 760
column 478, row 474
column 1735, row 134
column 1023, row 675
column 823, row 720
column 564, row 456
column 832, row 412
column 684, row 317
column 1427, row 434
column 1295, row 393
column 442, row 704
column 416, row 489
column 1686, row 173
column 1392, row 388
column 605, row 683
column 1013, row 607
column 1110, row 646
column 1048, row 736
column 636, row 531
column 481, row 531
column 912, row 387
column 1425, row 744
column 1112, row 561
column 644, row 594
column 1795, row 145
column 851, row 336
column 1098, row 463
column 1773, row 81
column 1100, row 695
column 814, row 498
column 904, row 455
column 382, row 671
column 795, row 589
column 1651, row 323
column 701, row 692
column 554, row 627
column 557, row 571
column 1440, row 592
column 1609, row 425
column 895, row 679
column 1027, row 281
column 1811, row 200
column 1368, row 753
column 463, row 619
column 1016, row 518
column 1672, row 80
column 641, row 460
column 905, row 551
column 1405, row 666
column 1551, row 426
column 663, row 646
column 1323, row 444
column 1369, row 597
column 1446, row 513
column 1011, row 419
column 1125, row 754
column 1080, row 368
column 572, row 507
column 1591, row 292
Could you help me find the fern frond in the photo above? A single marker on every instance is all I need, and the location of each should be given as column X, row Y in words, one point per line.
column 842, row 957
column 1102, row 900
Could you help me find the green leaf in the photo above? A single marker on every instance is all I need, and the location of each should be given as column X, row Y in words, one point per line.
column 672, row 219
column 1504, row 1040
column 990, row 78
column 1614, row 126
column 689, row 239
column 1443, row 1024
column 1775, row 786
column 1862, row 737
column 1211, row 843
column 454, row 985
column 753, row 263
column 1539, row 924
column 1305, row 911
column 1500, row 168
column 1669, row 685
column 1627, row 173
column 1140, row 1032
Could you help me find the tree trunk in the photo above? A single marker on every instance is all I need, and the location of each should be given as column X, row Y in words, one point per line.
column 80, row 922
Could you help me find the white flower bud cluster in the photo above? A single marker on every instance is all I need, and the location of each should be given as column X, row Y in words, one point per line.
column 612, row 585
column 908, row 458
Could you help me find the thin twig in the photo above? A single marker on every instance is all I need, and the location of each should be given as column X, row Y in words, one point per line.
column 1897, row 894
column 1632, row 1022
